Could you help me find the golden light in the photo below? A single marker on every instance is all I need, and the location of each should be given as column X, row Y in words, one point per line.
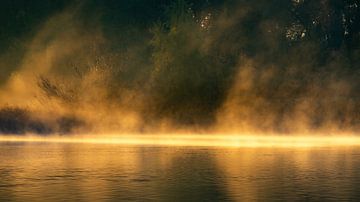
column 197, row 140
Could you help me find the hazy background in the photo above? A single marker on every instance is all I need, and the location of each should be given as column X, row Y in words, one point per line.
column 145, row 66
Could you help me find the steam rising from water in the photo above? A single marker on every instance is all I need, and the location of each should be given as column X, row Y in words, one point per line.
column 194, row 71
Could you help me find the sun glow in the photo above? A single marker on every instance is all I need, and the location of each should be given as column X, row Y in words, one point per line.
column 198, row 140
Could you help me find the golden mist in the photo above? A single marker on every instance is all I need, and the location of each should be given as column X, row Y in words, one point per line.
column 198, row 140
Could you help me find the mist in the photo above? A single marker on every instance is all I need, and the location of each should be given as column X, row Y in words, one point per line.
column 260, row 67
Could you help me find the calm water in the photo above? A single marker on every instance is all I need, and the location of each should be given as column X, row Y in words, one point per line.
column 90, row 172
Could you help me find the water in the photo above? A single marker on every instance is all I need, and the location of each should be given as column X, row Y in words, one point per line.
column 95, row 172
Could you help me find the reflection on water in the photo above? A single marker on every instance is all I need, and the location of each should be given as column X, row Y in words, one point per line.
column 93, row 172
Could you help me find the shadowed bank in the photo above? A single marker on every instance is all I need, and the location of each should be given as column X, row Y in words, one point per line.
column 171, row 66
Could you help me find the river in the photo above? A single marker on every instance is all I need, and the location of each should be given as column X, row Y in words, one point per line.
column 37, row 171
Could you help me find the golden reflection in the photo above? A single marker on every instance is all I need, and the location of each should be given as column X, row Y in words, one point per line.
column 198, row 140
column 254, row 174
column 95, row 172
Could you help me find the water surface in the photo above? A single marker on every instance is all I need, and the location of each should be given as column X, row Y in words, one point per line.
column 101, row 172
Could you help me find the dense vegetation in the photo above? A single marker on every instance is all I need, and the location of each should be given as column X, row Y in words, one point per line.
column 265, row 65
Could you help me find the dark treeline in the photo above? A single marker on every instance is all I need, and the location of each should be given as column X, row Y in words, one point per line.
column 21, row 121
column 272, row 65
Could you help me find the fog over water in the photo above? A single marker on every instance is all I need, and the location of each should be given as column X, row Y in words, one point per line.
column 179, row 100
column 161, row 66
